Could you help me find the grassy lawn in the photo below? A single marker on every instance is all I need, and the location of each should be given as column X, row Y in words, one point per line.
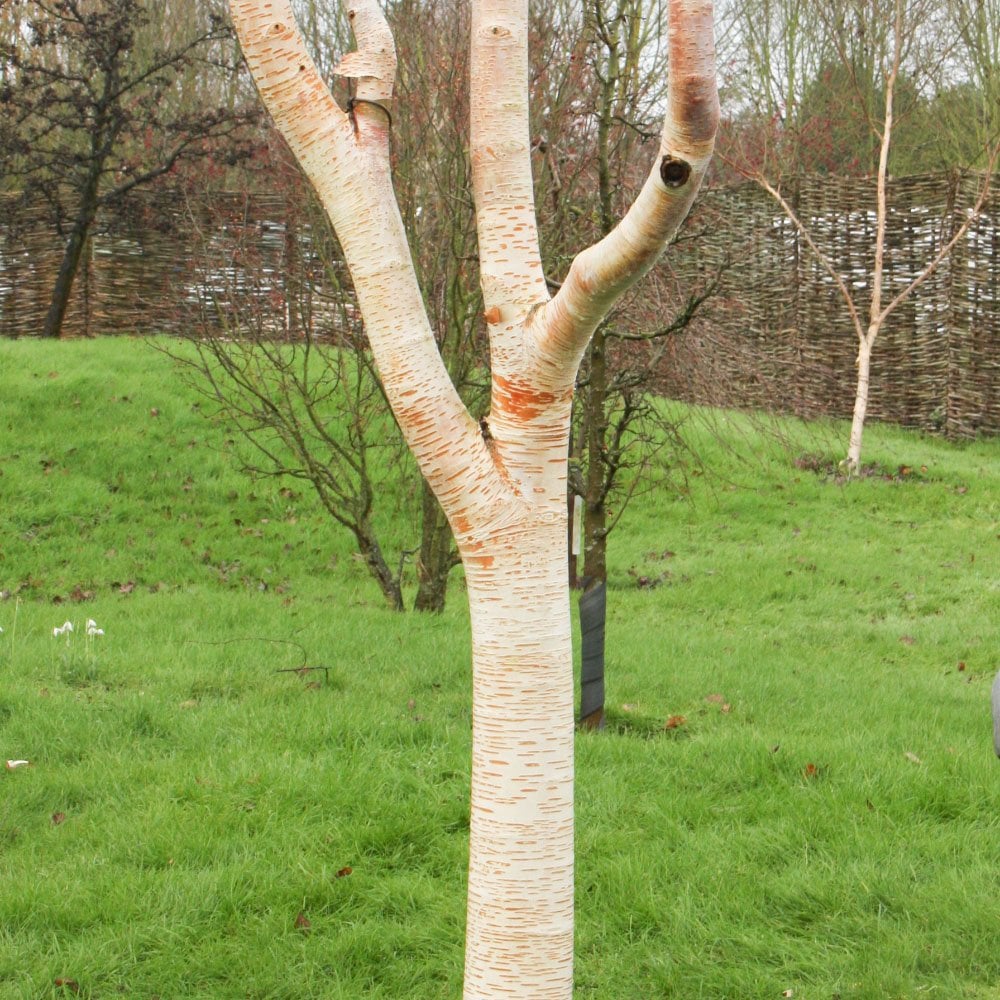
column 198, row 820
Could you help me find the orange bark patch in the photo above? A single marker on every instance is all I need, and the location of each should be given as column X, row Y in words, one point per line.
column 520, row 400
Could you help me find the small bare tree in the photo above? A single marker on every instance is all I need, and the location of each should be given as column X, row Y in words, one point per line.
column 892, row 32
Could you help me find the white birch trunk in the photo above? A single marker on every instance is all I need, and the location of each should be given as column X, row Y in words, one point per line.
column 503, row 488
column 864, row 365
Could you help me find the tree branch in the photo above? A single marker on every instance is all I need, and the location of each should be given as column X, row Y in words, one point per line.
column 510, row 259
column 602, row 272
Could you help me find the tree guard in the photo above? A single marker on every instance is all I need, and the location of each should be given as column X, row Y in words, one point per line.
column 593, row 614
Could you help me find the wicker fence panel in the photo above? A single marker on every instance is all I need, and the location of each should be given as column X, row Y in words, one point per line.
column 777, row 335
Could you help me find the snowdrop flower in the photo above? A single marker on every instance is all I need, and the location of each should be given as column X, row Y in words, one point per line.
column 63, row 629
column 92, row 628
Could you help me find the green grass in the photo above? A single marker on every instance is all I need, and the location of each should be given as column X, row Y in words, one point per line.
column 831, row 826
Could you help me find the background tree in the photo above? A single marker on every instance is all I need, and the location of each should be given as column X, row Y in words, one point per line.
column 598, row 88
column 96, row 103
column 502, row 482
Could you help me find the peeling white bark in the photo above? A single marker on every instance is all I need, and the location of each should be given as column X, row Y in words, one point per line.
column 504, row 491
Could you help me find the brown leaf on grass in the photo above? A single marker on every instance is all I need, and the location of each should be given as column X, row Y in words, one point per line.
column 303, row 923
column 907, row 640
column 715, row 699
column 125, row 588
column 58, row 818
column 675, row 722
column 961, row 665
column 78, row 594
column 344, row 872
column 810, row 771
column 65, row 983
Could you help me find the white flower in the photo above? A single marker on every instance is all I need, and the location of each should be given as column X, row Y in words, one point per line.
column 92, row 629
column 63, row 629
column 91, row 624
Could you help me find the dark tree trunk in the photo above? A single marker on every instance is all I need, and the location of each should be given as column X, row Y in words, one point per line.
column 437, row 554
column 379, row 569
column 69, row 267
column 595, row 513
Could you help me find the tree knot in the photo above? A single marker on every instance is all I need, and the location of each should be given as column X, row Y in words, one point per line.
column 674, row 172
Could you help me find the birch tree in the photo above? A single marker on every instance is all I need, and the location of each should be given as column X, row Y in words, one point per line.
column 873, row 41
column 501, row 481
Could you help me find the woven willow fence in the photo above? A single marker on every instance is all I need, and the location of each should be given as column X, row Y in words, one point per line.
column 777, row 335
column 170, row 264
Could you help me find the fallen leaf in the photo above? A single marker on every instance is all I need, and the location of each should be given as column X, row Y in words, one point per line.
column 344, row 872
column 70, row 984
column 58, row 818
column 810, row 771
column 961, row 665
column 675, row 722
column 302, row 923
column 912, row 757
column 715, row 699
column 126, row 588
column 907, row 640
